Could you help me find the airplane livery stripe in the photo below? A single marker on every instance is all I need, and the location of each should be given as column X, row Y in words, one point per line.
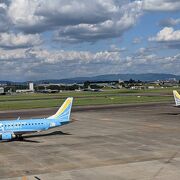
column 67, row 103
column 66, row 111
column 177, row 95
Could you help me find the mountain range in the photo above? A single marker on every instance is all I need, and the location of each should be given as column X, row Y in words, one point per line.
column 114, row 77
column 108, row 77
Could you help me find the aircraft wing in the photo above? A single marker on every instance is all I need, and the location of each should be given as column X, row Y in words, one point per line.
column 19, row 132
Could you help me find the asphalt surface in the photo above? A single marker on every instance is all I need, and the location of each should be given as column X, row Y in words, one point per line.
column 45, row 112
column 108, row 142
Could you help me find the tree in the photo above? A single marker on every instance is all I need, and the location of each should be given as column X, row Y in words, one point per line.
column 86, row 84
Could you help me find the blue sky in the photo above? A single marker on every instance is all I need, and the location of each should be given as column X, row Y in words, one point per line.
column 54, row 39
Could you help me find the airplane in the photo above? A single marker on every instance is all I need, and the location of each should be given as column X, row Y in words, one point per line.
column 14, row 129
column 176, row 98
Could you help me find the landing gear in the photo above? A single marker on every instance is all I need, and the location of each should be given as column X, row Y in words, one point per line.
column 19, row 137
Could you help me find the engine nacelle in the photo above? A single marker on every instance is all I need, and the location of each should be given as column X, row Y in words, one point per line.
column 6, row 136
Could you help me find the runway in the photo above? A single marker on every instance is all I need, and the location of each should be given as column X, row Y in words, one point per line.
column 123, row 142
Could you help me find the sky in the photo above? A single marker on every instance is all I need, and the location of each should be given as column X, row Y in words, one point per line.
column 57, row 39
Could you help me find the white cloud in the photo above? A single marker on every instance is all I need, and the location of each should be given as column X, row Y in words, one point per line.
column 123, row 19
column 52, row 57
column 44, row 64
column 10, row 40
column 152, row 63
column 12, row 55
column 4, row 19
column 24, row 22
column 22, row 13
column 40, row 15
column 167, row 34
column 169, row 22
column 161, row 5
column 114, row 48
column 77, row 20
column 137, row 40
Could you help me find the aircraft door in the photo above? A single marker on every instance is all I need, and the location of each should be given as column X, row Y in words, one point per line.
column 1, row 127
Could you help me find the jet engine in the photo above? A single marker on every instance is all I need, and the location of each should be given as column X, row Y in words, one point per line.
column 6, row 136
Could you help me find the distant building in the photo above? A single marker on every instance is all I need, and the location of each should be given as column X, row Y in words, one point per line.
column 172, row 80
column 151, row 87
column 23, row 91
column 30, row 90
column 31, row 86
column 137, row 87
column 120, row 81
column 1, row 90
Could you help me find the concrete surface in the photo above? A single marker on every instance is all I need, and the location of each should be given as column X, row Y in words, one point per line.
column 123, row 143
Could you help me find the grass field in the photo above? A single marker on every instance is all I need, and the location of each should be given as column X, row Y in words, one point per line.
column 122, row 96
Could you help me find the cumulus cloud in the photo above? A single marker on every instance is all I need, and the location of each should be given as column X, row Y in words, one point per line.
column 74, row 20
column 123, row 19
column 52, row 57
column 42, row 63
column 152, row 63
column 137, row 40
column 167, row 34
column 37, row 16
column 114, row 48
column 161, row 5
column 11, row 40
column 24, row 22
column 4, row 19
column 77, row 20
column 169, row 22
column 12, row 55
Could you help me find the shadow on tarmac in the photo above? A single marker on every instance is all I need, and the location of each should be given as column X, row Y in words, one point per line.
column 170, row 114
column 26, row 137
column 47, row 134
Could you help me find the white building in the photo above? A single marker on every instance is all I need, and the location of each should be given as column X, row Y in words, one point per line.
column 1, row 90
column 151, row 87
column 31, row 86
column 30, row 90
column 23, row 91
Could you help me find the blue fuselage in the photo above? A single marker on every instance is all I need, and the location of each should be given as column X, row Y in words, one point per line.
column 28, row 125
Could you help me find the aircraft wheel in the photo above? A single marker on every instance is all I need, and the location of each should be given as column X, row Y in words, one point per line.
column 19, row 137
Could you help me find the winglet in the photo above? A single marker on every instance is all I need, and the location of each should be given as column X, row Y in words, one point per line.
column 176, row 97
column 63, row 114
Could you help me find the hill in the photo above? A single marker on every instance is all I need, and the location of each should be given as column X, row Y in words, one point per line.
column 114, row 77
